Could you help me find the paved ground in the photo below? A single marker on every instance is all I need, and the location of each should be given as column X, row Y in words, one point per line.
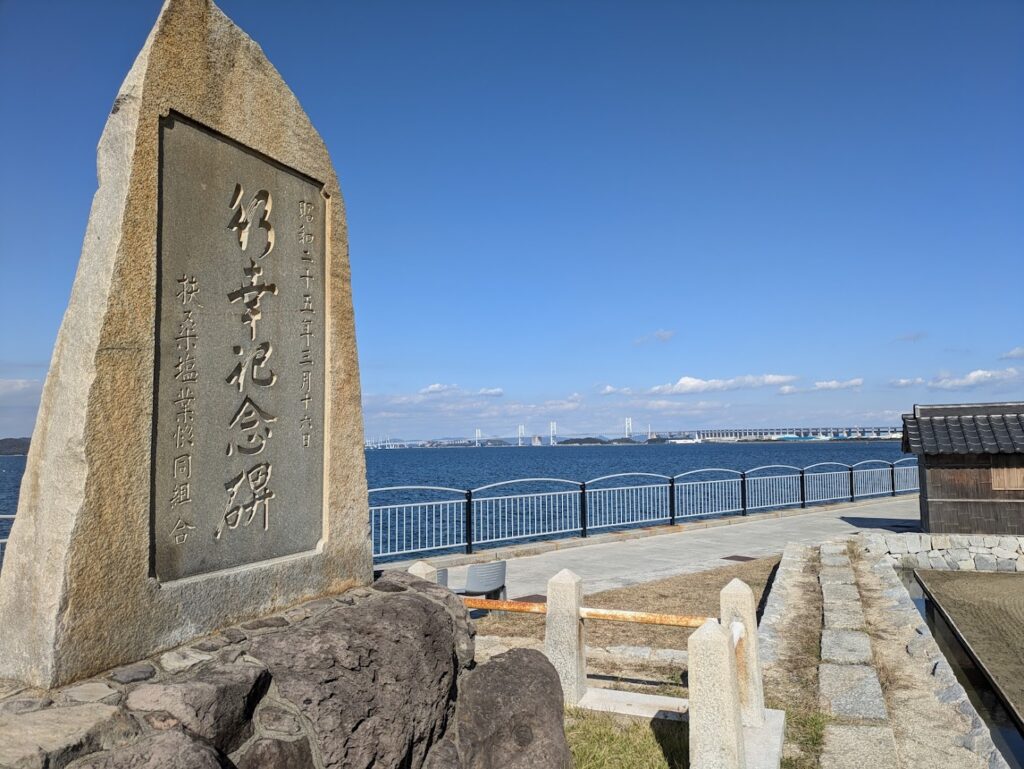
column 618, row 564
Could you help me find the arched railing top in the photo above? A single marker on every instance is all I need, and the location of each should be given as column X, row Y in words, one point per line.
column 622, row 475
column 772, row 467
column 416, row 488
column 641, row 475
column 709, row 470
column 823, row 464
column 525, row 480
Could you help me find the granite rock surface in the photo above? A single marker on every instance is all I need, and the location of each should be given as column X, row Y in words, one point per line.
column 376, row 677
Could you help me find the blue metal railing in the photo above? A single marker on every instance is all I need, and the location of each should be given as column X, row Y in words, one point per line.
column 408, row 520
column 419, row 519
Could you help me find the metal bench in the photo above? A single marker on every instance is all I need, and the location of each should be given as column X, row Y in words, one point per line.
column 486, row 579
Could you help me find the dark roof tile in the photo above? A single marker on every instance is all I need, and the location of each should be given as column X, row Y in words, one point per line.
column 952, row 431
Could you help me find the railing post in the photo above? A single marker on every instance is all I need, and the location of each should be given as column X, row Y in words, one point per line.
column 469, row 521
column 852, row 494
column 892, row 477
column 803, row 488
column 743, row 493
column 737, row 605
column 423, row 570
column 671, row 501
column 583, row 509
column 565, row 634
column 716, row 721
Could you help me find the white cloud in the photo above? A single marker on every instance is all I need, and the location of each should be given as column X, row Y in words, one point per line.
column 9, row 387
column 491, row 392
column 436, row 388
column 835, row 384
column 972, row 379
column 673, row 407
column 1015, row 354
column 662, row 335
column 689, row 384
column 789, row 390
column 609, row 390
column 19, row 402
column 907, row 382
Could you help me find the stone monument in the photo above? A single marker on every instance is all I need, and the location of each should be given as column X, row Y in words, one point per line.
column 198, row 455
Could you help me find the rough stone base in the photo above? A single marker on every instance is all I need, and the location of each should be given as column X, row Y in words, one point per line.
column 381, row 676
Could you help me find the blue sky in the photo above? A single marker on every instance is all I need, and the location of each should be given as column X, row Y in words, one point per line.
column 692, row 214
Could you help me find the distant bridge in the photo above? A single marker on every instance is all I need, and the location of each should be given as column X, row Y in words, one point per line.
column 710, row 435
column 776, row 433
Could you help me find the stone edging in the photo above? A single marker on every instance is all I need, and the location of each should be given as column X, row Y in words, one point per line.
column 949, row 552
column 923, row 652
column 794, row 561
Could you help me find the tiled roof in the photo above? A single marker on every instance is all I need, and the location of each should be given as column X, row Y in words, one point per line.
column 987, row 428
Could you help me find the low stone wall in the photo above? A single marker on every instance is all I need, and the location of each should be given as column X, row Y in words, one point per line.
column 785, row 589
column 379, row 676
column 956, row 552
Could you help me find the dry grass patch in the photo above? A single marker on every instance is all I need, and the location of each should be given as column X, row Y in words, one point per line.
column 601, row 741
column 695, row 594
column 639, row 677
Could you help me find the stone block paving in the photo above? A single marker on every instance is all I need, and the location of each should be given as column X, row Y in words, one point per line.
column 857, row 747
column 851, row 691
column 848, row 684
column 846, row 647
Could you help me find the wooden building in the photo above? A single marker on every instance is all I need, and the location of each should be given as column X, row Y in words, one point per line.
column 971, row 460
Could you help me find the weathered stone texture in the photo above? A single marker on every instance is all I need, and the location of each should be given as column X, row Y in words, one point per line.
column 265, row 753
column 565, row 639
column 52, row 738
column 172, row 749
column 377, row 681
column 373, row 679
column 90, row 603
column 218, row 706
column 857, row 747
column 851, row 691
column 716, row 729
column 849, row 647
column 129, row 674
column 510, row 708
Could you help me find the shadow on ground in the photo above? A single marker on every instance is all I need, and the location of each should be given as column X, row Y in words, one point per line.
column 888, row 524
column 674, row 739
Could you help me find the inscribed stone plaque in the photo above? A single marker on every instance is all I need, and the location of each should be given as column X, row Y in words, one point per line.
column 238, row 453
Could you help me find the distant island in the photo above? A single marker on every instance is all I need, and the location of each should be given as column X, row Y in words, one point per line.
column 9, row 446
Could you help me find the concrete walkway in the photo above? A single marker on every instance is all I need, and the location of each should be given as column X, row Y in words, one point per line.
column 618, row 564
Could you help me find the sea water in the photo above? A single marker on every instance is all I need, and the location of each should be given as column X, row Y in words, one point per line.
column 464, row 468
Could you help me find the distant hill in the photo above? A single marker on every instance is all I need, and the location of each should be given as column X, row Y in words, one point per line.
column 10, row 446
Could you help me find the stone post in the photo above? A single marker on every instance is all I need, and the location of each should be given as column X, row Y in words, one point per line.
column 565, row 636
column 738, row 605
column 716, row 728
column 423, row 570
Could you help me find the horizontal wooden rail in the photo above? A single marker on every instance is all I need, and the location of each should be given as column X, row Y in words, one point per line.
column 515, row 606
column 643, row 617
column 610, row 615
